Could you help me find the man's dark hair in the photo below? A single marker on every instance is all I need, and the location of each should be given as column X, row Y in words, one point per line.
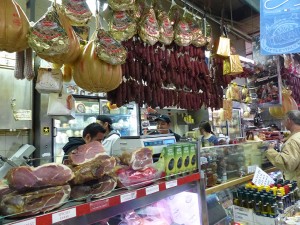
column 294, row 115
column 93, row 129
column 205, row 125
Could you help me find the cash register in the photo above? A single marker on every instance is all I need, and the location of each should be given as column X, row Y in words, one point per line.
column 154, row 142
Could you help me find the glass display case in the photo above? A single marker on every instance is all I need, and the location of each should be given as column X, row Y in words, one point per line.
column 125, row 120
column 230, row 128
column 228, row 162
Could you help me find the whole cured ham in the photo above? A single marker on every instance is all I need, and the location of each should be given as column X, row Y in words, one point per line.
column 149, row 29
column 138, row 159
column 183, row 35
column 28, row 178
column 108, row 49
column 95, row 188
column 14, row 27
column 94, row 169
column 92, row 74
column 77, row 11
column 85, row 153
column 32, row 203
column 122, row 27
column 122, row 5
column 53, row 38
column 166, row 28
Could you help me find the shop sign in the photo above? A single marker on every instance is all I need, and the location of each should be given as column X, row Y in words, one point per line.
column 22, row 114
column 279, row 27
column 262, row 178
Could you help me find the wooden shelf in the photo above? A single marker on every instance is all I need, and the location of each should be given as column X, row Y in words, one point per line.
column 234, row 182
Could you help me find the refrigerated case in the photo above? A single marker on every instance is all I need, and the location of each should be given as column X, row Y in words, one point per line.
column 231, row 128
column 125, row 120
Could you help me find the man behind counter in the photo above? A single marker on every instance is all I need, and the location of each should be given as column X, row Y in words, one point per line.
column 288, row 160
column 111, row 135
column 92, row 132
column 164, row 124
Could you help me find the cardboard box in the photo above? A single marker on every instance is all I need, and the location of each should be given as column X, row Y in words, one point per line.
column 169, row 161
column 186, row 159
column 178, row 158
column 193, row 156
column 243, row 215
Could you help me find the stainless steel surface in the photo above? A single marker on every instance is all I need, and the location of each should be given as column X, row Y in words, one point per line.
column 21, row 91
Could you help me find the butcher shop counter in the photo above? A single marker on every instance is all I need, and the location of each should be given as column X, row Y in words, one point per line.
column 119, row 201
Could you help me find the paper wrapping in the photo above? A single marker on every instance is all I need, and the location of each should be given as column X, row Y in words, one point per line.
column 149, row 29
column 224, row 47
column 47, row 35
column 232, row 65
column 121, row 5
column 166, row 28
column 227, row 107
column 108, row 49
column 77, row 11
column 183, row 34
column 122, row 27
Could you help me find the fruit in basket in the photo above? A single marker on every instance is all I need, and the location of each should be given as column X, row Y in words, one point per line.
column 288, row 103
column 14, row 27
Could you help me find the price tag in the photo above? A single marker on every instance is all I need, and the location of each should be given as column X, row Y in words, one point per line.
column 152, row 189
column 128, row 196
column 170, row 184
column 63, row 215
column 261, row 178
column 27, row 222
column 251, row 169
column 98, row 205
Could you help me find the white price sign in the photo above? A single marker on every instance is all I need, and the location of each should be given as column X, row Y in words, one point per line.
column 261, row 178
column 128, row 196
column 63, row 215
column 27, row 222
column 152, row 189
column 170, row 184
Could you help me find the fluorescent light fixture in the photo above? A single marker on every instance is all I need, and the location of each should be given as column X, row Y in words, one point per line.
column 244, row 59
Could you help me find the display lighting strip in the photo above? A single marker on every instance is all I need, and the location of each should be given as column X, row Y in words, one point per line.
column 90, row 207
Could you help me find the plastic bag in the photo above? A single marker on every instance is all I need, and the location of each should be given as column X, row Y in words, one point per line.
column 49, row 80
column 132, row 179
column 61, row 105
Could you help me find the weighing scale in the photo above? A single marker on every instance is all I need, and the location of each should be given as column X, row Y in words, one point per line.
column 154, row 142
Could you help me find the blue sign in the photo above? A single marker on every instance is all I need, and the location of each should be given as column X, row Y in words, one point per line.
column 279, row 27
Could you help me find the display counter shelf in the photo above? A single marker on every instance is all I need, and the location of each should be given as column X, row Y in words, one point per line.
column 117, row 202
column 234, row 182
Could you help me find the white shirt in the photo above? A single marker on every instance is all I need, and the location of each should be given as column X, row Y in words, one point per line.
column 109, row 141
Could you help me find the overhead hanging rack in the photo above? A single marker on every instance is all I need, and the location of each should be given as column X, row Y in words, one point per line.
column 232, row 29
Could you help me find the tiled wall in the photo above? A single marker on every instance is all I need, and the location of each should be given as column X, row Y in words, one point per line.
column 10, row 141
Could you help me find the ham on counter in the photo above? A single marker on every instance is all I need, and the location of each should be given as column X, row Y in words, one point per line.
column 28, row 178
column 32, row 203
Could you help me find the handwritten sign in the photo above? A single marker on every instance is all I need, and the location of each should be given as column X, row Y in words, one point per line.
column 27, row 222
column 128, row 196
column 152, row 189
column 170, row 184
column 22, row 114
column 63, row 215
column 262, row 178
column 279, row 26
